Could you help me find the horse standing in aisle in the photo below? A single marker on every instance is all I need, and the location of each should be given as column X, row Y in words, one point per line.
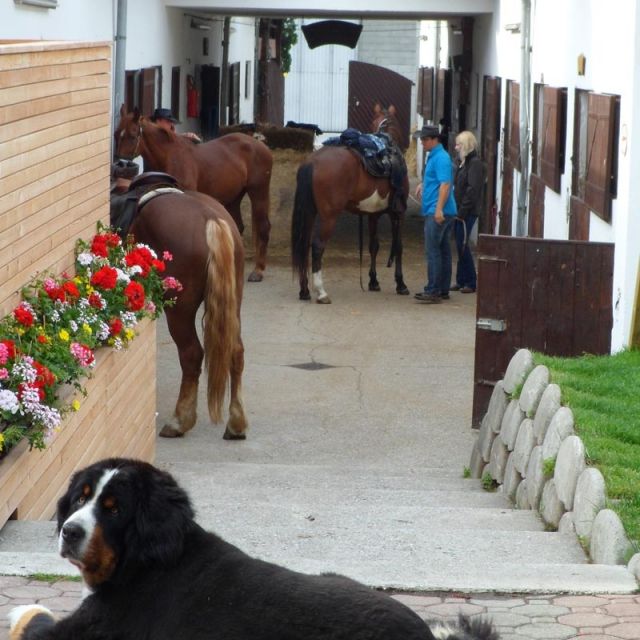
column 226, row 168
column 334, row 179
column 208, row 260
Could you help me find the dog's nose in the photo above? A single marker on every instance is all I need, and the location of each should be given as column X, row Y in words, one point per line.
column 72, row 532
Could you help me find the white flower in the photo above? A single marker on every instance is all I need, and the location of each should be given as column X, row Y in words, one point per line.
column 103, row 331
column 85, row 259
column 25, row 370
column 122, row 276
column 135, row 269
column 9, row 401
column 129, row 319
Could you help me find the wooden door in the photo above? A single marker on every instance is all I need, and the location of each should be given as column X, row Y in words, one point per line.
column 506, row 201
column 536, row 206
column 370, row 83
column 552, row 296
column 491, row 97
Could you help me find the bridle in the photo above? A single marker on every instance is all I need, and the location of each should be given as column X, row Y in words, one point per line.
column 138, row 137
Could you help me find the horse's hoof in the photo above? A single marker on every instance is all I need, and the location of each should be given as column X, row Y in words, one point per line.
column 255, row 276
column 230, row 435
column 324, row 300
column 304, row 295
column 374, row 286
column 402, row 291
column 170, row 432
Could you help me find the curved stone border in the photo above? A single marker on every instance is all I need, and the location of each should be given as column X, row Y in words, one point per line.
column 529, row 447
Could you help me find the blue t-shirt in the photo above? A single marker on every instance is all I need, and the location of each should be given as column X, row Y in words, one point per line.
column 439, row 169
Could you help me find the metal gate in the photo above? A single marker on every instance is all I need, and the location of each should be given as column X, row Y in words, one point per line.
column 552, row 296
column 370, row 83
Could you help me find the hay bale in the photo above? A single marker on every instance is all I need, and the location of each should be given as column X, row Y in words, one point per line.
column 288, row 138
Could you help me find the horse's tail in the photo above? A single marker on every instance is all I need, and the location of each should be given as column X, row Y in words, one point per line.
column 221, row 325
column 304, row 213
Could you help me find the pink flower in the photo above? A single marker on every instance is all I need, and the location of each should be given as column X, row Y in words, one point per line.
column 4, row 374
column 4, row 353
column 171, row 283
column 167, row 255
column 82, row 354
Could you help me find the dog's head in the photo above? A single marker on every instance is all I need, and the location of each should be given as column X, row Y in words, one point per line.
column 119, row 515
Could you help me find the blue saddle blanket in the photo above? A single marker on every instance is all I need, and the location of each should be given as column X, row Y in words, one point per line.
column 369, row 144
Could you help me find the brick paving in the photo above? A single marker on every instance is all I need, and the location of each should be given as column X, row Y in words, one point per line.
column 517, row 617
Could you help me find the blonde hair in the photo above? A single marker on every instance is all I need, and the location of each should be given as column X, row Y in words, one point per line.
column 467, row 142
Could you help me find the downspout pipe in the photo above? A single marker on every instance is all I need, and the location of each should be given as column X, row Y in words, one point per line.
column 120, row 39
column 525, row 95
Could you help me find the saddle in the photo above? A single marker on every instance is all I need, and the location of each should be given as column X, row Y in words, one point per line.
column 124, row 207
column 381, row 158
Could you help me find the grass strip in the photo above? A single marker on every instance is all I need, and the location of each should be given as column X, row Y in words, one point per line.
column 603, row 393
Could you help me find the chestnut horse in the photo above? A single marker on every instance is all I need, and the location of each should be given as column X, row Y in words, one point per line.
column 225, row 169
column 332, row 180
column 208, row 260
column 386, row 121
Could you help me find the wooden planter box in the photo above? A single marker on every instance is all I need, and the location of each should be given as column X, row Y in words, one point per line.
column 116, row 418
column 55, row 163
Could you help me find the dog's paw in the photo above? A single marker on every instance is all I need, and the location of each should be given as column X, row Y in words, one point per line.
column 28, row 618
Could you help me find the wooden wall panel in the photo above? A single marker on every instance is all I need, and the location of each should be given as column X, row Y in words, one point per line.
column 55, row 135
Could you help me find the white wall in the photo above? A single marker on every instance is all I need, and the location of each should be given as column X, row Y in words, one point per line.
column 84, row 20
column 607, row 38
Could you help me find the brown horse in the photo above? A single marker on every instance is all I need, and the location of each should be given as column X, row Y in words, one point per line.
column 208, row 260
column 332, row 180
column 225, row 169
column 386, row 121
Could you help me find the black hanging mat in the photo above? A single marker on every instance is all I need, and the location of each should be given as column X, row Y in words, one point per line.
column 332, row 32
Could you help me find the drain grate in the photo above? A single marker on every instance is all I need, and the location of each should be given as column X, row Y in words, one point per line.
column 312, row 366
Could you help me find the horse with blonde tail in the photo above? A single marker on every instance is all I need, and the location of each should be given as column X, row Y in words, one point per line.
column 208, row 260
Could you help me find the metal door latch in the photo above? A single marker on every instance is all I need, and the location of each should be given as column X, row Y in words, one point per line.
column 491, row 324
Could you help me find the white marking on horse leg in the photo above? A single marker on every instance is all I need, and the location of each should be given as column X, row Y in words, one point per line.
column 318, row 285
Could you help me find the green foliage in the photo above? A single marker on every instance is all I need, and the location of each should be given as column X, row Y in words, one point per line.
column 602, row 392
column 548, row 467
column 289, row 38
column 515, row 394
column 466, row 472
column 488, row 483
column 53, row 577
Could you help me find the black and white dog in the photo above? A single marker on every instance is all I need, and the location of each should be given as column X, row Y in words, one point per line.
column 154, row 573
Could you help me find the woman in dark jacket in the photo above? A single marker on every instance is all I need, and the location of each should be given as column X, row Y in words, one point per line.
column 468, row 192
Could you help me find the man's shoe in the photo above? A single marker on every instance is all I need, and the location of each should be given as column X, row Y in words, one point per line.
column 428, row 298
column 455, row 287
column 467, row 290
column 444, row 296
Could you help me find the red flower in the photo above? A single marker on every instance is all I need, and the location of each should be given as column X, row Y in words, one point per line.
column 135, row 295
column 23, row 316
column 99, row 246
column 42, row 339
column 11, row 347
column 115, row 327
column 105, row 278
column 45, row 377
column 142, row 257
column 56, row 293
column 71, row 289
column 113, row 239
column 159, row 265
column 95, row 301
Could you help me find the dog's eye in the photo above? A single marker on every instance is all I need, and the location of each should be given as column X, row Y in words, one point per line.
column 114, row 511
column 81, row 500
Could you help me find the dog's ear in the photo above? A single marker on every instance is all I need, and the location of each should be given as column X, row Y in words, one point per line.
column 163, row 518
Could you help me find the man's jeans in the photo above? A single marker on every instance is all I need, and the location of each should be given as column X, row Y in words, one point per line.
column 466, row 270
column 437, row 242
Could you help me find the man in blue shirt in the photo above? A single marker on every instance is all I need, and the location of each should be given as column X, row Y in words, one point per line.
column 439, row 211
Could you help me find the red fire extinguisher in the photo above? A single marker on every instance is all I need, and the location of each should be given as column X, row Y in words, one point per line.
column 193, row 101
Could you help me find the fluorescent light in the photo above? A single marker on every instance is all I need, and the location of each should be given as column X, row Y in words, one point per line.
column 196, row 24
column 47, row 4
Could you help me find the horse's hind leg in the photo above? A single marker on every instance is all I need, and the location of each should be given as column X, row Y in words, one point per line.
column 322, row 232
column 374, row 245
column 261, row 227
column 237, row 423
column 396, row 224
column 183, row 331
